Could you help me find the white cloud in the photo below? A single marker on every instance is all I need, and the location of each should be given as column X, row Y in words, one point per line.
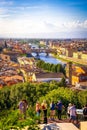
column 4, row 13
column 6, row 3
column 25, row 26
column 76, row 25
column 84, row 24
column 66, row 26
column 24, row 20
column 5, row 8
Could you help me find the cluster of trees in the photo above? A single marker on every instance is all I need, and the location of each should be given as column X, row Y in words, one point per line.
column 10, row 97
column 51, row 67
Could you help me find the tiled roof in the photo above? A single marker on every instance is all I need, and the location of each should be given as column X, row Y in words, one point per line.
column 13, row 78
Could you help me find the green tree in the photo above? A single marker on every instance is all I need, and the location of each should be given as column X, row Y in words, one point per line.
column 63, row 82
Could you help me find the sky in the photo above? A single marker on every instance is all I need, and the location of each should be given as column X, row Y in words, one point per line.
column 43, row 18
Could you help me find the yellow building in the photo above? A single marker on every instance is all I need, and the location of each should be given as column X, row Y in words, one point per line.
column 80, row 55
column 77, row 55
column 60, row 50
column 84, row 56
column 42, row 43
column 78, row 74
column 65, row 51
column 26, row 61
column 28, row 75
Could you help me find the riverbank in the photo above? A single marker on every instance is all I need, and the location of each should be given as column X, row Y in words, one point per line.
column 71, row 59
column 60, row 58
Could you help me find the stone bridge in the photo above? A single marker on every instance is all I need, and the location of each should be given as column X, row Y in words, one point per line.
column 47, row 51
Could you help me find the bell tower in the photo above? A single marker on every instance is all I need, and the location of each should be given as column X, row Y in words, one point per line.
column 70, row 72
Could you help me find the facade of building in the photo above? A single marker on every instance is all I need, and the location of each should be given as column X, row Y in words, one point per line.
column 78, row 74
column 69, row 52
column 80, row 55
column 84, row 56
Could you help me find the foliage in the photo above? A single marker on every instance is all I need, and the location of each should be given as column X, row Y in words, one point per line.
column 10, row 120
column 10, row 96
column 82, row 98
column 63, row 82
column 51, row 67
column 64, row 94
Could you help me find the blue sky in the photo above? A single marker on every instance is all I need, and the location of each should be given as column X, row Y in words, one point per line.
column 43, row 18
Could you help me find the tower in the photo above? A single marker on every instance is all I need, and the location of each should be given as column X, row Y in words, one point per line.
column 70, row 73
column 5, row 44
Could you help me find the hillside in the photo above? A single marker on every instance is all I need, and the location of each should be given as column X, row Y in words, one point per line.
column 10, row 97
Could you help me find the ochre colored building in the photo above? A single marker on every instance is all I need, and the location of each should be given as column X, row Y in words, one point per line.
column 79, row 74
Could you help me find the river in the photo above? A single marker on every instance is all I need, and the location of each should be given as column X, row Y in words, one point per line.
column 48, row 59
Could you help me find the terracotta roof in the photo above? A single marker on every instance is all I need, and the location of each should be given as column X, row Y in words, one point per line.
column 2, row 82
column 13, row 78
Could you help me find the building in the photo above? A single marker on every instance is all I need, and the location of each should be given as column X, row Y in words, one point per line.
column 77, row 74
column 69, row 52
column 26, row 61
column 43, row 43
column 28, row 74
column 5, row 57
column 84, row 55
column 47, row 77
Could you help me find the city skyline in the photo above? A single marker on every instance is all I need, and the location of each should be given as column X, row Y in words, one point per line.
column 43, row 18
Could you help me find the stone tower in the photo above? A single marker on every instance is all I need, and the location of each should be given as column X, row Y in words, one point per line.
column 5, row 44
column 70, row 72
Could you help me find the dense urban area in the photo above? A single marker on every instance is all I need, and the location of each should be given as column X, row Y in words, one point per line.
column 24, row 76
column 18, row 64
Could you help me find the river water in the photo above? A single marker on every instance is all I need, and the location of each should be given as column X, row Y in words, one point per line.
column 48, row 59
